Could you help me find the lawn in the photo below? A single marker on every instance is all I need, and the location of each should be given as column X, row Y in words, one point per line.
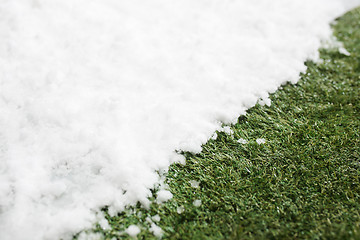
column 289, row 171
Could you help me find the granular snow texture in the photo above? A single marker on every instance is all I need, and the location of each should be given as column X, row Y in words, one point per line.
column 96, row 95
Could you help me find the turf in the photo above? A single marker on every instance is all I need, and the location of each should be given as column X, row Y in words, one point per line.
column 302, row 183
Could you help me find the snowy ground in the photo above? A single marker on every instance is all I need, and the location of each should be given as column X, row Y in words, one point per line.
column 96, row 96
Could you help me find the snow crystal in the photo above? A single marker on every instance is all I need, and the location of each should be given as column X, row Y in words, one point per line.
column 97, row 96
column 260, row 141
column 132, row 230
column 197, row 203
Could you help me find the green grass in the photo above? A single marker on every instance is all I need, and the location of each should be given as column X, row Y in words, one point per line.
column 303, row 183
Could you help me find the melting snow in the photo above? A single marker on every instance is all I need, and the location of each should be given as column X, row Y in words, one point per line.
column 96, row 96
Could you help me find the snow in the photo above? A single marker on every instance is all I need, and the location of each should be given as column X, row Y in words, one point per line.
column 242, row 141
column 197, row 203
column 260, row 141
column 194, row 183
column 163, row 196
column 132, row 230
column 156, row 230
column 96, row 96
column 156, row 218
column 180, row 209
column 343, row 51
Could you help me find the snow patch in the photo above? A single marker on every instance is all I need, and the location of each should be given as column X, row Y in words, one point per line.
column 163, row 196
column 156, row 230
column 97, row 96
column 133, row 230
column 242, row 141
column 180, row 209
column 343, row 50
column 156, row 218
column 194, row 183
column 197, row 203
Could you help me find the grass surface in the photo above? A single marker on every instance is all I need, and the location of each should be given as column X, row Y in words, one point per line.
column 302, row 183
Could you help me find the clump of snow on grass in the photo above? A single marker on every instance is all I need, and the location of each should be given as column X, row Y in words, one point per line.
column 156, row 230
column 156, row 218
column 180, row 209
column 163, row 196
column 343, row 50
column 227, row 130
column 104, row 224
column 133, row 230
column 214, row 136
column 197, row 203
column 242, row 141
column 96, row 96
column 260, row 141
column 334, row 43
column 194, row 183
column 265, row 101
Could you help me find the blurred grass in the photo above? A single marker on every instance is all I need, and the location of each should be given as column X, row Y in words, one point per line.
column 302, row 183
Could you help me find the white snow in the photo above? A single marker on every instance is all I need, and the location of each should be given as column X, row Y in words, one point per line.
column 343, row 50
column 180, row 209
column 260, row 141
column 156, row 230
column 156, row 218
column 197, row 203
column 96, row 95
column 242, row 141
column 132, row 230
column 194, row 183
column 90, row 236
column 227, row 130
column 163, row 196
